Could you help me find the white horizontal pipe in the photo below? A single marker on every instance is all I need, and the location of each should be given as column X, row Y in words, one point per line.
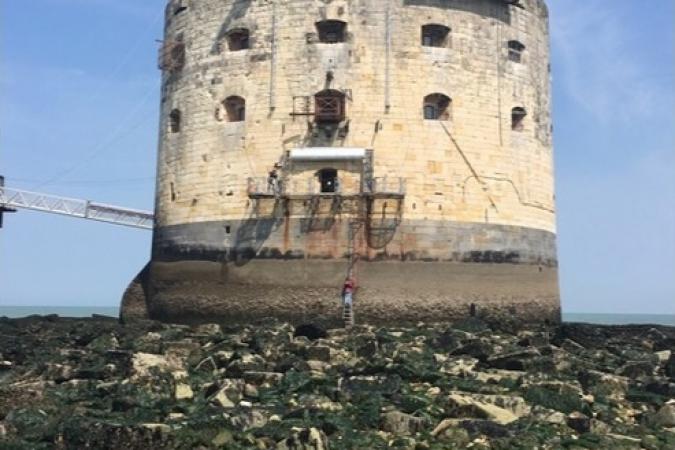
column 327, row 154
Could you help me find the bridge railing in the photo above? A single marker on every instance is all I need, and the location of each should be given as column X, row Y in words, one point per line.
column 388, row 186
column 262, row 187
column 301, row 187
column 84, row 209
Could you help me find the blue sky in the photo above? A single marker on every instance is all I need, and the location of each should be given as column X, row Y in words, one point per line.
column 78, row 117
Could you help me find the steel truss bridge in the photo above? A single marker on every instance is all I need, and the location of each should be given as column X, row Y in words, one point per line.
column 12, row 199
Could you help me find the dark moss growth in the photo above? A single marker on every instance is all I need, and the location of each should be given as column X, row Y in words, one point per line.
column 97, row 384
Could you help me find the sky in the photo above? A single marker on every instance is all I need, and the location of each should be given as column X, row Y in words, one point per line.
column 79, row 99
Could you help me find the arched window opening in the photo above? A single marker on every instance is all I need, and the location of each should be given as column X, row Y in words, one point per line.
column 434, row 35
column 328, row 178
column 179, row 7
column 174, row 121
column 437, row 107
column 516, row 50
column 331, row 31
column 238, row 40
column 518, row 118
column 235, row 108
column 329, row 106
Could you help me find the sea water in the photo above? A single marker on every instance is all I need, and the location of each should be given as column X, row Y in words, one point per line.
column 64, row 311
column 87, row 311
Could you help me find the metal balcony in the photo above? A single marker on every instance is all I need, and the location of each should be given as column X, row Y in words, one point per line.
column 380, row 187
column 387, row 187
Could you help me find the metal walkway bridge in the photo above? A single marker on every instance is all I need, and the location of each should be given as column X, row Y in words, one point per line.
column 83, row 209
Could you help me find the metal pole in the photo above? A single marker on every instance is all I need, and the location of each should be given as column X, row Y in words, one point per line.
column 3, row 208
column 387, row 68
column 2, row 205
column 273, row 59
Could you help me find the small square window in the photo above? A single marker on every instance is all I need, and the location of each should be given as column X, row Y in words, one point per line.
column 331, row 31
column 516, row 50
column 235, row 108
column 238, row 40
column 435, row 35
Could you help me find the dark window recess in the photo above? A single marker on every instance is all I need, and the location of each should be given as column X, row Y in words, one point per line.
column 329, row 106
column 328, row 180
column 430, row 112
column 172, row 56
column 174, row 121
column 516, row 50
column 518, row 118
column 238, row 40
column 331, row 31
column 235, row 107
column 179, row 8
column 173, row 193
column 434, row 35
column 437, row 107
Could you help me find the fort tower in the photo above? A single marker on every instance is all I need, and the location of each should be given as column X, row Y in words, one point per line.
column 412, row 140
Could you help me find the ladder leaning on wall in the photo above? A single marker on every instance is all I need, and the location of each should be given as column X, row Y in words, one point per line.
column 348, row 309
column 348, row 315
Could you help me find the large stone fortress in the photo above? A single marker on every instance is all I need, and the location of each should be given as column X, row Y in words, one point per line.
column 412, row 140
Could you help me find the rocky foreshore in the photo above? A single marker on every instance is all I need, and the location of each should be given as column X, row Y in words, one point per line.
column 94, row 383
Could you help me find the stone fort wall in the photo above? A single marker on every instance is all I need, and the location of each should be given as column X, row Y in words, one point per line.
column 477, row 223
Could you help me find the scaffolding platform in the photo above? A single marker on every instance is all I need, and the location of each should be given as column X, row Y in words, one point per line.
column 377, row 188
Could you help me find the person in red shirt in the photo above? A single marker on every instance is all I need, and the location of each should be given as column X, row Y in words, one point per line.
column 348, row 292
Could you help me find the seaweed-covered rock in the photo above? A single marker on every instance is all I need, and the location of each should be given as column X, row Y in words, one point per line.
column 518, row 360
column 304, row 439
column 95, row 383
column 665, row 417
column 471, row 407
column 400, row 423
column 579, row 422
column 670, row 366
column 603, row 386
column 560, row 396
column 311, row 331
column 487, row 428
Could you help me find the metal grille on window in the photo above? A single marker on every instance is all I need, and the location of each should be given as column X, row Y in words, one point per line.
column 329, row 106
column 172, row 56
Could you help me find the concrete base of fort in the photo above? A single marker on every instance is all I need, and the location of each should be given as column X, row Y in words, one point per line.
column 511, row 272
